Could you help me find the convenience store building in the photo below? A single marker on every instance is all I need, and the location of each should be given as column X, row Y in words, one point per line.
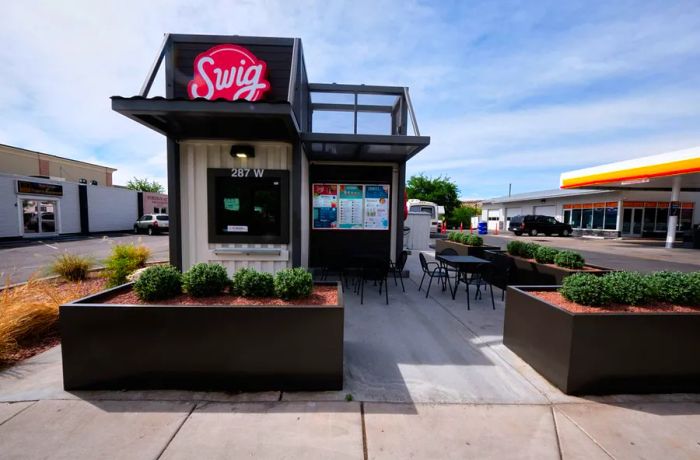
column 654, row 196
column 257, row 176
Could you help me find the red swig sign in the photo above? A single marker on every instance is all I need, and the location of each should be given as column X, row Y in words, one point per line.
column 228, row 72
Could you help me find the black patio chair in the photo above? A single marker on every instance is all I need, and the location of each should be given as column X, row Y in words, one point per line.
column 432, row 270
column 487, row 274
column 500, row 275
column 376, row 270
column 448, row 269
column 397, row 268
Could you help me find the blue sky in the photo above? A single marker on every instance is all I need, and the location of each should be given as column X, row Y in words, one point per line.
column 510, row 92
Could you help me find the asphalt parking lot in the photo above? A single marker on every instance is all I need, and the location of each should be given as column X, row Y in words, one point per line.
column 20, row 260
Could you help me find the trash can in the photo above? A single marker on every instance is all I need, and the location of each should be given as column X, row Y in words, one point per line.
column 483, row 228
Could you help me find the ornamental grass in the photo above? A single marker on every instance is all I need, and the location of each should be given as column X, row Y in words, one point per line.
column 29, row 312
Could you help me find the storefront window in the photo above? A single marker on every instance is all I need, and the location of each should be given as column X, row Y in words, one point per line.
column 649, row 219
column 252, row 209
column 686, row 219
column 587, row 218
column 576, row 218
column 567, row 216
column 610, row 218
column 661, row 219
column 598, row 216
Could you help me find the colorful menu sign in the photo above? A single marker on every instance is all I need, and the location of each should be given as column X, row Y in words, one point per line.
column 325, row 206
column 376, row 207
column 350, row 207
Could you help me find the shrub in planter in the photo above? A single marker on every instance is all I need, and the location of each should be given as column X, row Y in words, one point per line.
column 250, row 283
column 693, row 280
column 462, row 238
column 629, row 288
column 71, row 267
column 675, row 287
column 514, row 247
column 205, row 280
column 528, row 250
column 545, row 255
column 123, row 260
column 584, row 288
column 293, row 283
column 158, row 282
column 452, row 236
column 569, row 259
column 475, row 240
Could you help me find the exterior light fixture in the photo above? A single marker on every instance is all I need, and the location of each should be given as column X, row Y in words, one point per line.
column 82, row 180
column 243, row 151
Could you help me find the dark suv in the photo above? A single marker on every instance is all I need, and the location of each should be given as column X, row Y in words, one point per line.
column 534, row 225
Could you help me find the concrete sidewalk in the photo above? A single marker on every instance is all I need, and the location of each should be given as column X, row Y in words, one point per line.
column 428, row 379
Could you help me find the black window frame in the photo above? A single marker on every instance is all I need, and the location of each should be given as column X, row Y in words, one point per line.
column 282, row 238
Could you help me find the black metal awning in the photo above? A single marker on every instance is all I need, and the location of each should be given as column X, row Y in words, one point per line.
column 203, row 119
column 362, row 147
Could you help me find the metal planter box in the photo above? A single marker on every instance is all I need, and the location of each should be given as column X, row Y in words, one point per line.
column 526, row 272
column 463, row 249
column 251, row 348
column 603, row 353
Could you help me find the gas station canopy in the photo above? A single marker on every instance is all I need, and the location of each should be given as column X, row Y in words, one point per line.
column 655, row 172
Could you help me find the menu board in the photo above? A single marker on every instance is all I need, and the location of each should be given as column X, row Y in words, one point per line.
column 350, row 206
column 376, row 207
column 325, row 206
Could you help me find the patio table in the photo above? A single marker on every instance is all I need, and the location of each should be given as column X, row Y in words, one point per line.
column 464, row 264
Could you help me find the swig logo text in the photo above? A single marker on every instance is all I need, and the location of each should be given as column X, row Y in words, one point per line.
column 228, row 72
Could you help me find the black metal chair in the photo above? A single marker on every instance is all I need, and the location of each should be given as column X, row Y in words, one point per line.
column 397, row 268
column 500, row 274
column 432, row 270
column 376, row 270
column 488, row 274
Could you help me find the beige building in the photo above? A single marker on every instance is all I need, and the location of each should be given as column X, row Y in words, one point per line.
column 14, row 160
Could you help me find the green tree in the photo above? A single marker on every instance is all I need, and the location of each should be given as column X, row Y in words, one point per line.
column 462, row 215
column 440, row 190
column 144, row 185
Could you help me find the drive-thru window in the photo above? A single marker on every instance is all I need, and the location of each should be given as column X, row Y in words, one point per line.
column 255, row 177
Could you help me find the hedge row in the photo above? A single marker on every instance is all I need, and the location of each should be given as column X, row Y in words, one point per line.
column 546, row 255
column 465, row 238
column 632, row 288
column 205, row 280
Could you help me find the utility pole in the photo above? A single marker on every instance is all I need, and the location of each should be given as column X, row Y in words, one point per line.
column 509, row 188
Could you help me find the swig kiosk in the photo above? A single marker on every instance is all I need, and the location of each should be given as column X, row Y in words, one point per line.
column 250, row 181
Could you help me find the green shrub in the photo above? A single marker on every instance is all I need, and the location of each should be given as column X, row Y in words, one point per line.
column 629, row 288
column 203, row 280
column 293, row 283
column 452, row 236
column 528, row 250
column 584, row 289
column 250, row 283
column 545, row 255
column 475, row 240
column 123, row 260
column 514, row 247
column 71, row 267
column 462, row 238
column 675, row 287
column 693, row 280
column 158, row 282
column 569, row 259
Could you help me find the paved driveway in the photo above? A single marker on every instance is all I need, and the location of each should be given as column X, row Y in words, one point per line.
column 19, row 261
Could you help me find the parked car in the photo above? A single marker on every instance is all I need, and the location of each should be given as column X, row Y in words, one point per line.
column 152, row 224
column 533, row 225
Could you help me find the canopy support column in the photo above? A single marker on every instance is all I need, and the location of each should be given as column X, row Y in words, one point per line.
column 673, row 216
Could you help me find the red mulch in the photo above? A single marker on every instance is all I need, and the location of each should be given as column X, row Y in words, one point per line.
column 557, row 299
column 321, row 295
